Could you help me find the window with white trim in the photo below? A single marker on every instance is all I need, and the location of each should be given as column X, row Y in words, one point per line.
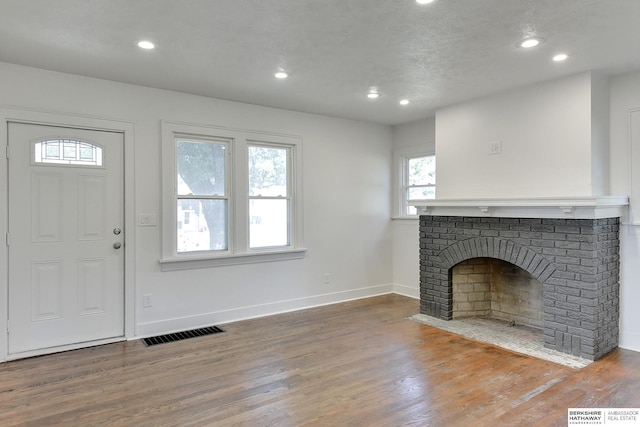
column 202, row 194
column 229, row 196
column 269, row 195
column 417, row 181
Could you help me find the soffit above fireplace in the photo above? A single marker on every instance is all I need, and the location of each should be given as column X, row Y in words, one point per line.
column 538, row 207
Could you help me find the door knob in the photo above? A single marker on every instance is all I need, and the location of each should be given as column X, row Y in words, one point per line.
column 116, row 231
column 117, row 245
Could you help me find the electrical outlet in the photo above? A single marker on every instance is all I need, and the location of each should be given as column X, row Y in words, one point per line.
column 327, row 278
column 146, row 301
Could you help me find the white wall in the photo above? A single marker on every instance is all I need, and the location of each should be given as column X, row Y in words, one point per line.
column 346, row 201
column 419, row 135
column 414, row 136
column 600, row 131
column 546, row 135
column 625, row 179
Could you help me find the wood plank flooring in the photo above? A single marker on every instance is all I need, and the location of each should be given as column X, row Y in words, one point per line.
column 360, row 363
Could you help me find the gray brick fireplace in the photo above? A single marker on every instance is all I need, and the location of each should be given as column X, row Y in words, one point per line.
column 570, row 246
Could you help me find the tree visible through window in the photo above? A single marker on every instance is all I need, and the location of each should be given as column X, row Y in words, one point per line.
column 202, row 195
column 269, row 196
column 229, row 196
column 419, row 180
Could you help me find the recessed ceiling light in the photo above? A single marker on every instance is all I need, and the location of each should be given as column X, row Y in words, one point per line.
column 424, row 1
column 373, row 95
column 560, row 57
column 144, row 44
column 404, row 102
column 529, row 42
column 281, row 75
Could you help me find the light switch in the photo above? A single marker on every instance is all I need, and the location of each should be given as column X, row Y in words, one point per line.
column 495, row 147
column 147, row 220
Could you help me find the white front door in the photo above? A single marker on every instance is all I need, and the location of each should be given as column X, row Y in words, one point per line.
column 66, row 237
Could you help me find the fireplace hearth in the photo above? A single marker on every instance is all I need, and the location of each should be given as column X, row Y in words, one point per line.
column 571, row 250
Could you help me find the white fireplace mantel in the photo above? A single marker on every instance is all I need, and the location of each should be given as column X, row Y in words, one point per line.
column 538, row 207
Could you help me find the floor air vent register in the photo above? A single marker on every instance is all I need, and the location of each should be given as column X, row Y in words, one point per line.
column 179, row 336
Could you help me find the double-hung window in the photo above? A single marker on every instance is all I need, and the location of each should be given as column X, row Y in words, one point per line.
column 420, row 180
column 202, row 194
column 269, row 195
column 417, row 181
column 229, row 196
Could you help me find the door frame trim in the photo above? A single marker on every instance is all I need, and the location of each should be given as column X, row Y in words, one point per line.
column 36, row 117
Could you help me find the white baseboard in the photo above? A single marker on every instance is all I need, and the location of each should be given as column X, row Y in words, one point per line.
column 629, row 340
column 251, row 312
column 406, row 291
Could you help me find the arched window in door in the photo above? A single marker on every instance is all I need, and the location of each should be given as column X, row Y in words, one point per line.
column 67, row 152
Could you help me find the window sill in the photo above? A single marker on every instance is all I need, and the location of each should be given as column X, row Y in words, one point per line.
column 191, row 262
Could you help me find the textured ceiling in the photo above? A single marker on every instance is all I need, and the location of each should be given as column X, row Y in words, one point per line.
column 334, row 50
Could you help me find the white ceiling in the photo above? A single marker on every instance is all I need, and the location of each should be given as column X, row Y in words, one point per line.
column 334, row 50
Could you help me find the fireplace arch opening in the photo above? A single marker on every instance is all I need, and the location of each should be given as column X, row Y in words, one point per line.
column 492, row 288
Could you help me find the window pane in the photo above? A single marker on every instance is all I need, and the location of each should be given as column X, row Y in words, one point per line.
column 418, row 193
column 202, row 225
column 422, row 171
column 201, row 168
column 86, row 152
column 67, row 152
column 52, row 149
column 268, row 223
column 267, row 171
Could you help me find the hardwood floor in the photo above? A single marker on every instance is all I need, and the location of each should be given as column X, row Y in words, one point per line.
column 361, row 363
